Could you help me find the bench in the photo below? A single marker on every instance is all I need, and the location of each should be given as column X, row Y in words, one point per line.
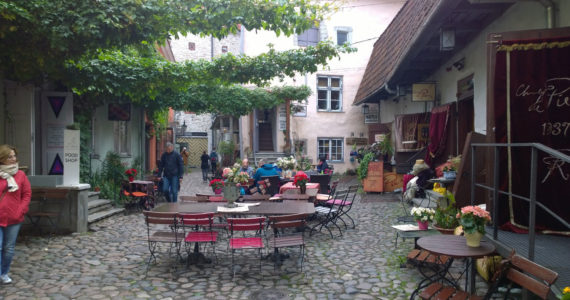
column 516, row 269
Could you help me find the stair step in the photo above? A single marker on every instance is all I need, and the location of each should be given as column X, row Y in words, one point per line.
column 93, row 195
column 104, row 214
column 99, row 205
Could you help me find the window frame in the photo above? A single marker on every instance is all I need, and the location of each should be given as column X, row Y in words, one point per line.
column 329, row 151
column 306, row 42
column 119, row 138
column 347, row 30
column 329, row 89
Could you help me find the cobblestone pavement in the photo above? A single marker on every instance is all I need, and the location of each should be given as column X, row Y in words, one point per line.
column 110, row 262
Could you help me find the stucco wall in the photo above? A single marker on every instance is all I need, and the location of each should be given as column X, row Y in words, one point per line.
column 367, row 19
column 524, row 15
column 104, row 140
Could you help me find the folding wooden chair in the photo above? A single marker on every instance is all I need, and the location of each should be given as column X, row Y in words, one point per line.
column 252, row 238
column 156, row 234
column 288, row 231
column 197, row 229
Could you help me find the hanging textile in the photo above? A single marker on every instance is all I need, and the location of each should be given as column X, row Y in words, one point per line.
column 532, row 104
column 437, row 132
column 406, row 132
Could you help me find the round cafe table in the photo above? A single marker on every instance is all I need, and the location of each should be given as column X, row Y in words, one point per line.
column 456, row 247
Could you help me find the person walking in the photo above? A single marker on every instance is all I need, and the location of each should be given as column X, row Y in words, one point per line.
column 205, row 158
column 185, row 154
column 15, row 195
column 171, row 170
column 214, row 160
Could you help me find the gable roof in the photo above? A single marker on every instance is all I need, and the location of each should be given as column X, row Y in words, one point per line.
column 391, row 46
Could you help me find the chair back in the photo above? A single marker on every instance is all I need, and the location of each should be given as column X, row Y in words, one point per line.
column 323, row 180
column 288, row 221
column 246, row 224
column 201, row 219
column 153, row 217
column 274, row 183
column 539, row 283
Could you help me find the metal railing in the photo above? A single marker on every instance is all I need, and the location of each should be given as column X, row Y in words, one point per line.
column 559, row 160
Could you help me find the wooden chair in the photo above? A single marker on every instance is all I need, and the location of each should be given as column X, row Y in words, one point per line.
column 156, row 234
column 274, row 182
column 197, row 229
column 515, row 270
column 46, row 205
column 251, row 237
column 288, row 231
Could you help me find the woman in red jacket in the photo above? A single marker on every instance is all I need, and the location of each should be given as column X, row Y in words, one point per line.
column 15, row 194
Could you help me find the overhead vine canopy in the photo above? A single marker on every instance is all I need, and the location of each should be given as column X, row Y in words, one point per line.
column 100, row 47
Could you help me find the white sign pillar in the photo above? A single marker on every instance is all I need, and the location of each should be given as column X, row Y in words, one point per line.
column 71, row 157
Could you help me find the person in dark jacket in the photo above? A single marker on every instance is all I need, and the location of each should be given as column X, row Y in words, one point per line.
column 214, row 160
column 172, row 170
column 322, row 166
column 205, row 158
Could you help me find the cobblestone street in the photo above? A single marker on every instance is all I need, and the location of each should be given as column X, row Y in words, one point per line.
column 110, row 262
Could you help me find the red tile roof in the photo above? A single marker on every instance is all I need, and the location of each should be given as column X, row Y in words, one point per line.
column 391, row 47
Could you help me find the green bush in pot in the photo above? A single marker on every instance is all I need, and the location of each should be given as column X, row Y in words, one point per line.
column 446, row 218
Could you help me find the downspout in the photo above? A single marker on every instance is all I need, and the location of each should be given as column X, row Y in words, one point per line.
column 240, row 125
column 549, row 6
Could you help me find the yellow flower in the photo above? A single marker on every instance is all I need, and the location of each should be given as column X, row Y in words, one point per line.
column 566, row 290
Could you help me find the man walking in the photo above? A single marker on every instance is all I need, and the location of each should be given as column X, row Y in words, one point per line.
column 213, row 160
column 204, row 165
column 173, row 168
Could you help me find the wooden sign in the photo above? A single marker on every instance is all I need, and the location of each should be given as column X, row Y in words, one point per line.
column 374, row 181
column 423, row 92
column 393, row 181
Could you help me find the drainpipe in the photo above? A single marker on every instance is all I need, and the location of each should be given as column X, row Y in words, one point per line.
column 549, row 6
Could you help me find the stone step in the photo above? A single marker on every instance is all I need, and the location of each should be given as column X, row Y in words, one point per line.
column 99, row 205
column 98, row 216
column 93, row 195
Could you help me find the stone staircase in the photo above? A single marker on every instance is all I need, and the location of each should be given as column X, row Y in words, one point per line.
column 268, row 157
column 100, row 209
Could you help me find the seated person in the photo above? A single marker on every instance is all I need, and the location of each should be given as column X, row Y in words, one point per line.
column 246, row 168
column 264, row 170
column 322, row 167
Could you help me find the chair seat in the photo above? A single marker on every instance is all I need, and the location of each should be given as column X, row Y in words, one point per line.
column 245, row 243
column 324, row 210
column 287, row 241
column 166, row 237
column 339, row 202
column 322, row 197
column 438, row 291
column 201, row 236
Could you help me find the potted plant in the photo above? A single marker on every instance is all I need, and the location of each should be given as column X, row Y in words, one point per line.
column 473, row 219
column 446, row 217
column 301, row 180
column 217, row 185
column 449, row 172
column 234, row 181
column 131, row 173
column 423, row 216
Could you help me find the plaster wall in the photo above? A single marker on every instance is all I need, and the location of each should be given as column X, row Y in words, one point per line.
column 103, row 137
column 524, row 15
column 367, row 19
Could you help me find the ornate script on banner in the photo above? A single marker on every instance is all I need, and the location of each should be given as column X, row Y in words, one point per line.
column 536, row 106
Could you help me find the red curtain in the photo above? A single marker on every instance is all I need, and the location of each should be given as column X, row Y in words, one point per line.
column 437, row 132
column 539, row 97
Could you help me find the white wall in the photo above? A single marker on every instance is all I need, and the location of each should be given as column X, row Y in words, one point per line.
column 368, row 19
column 524, row 15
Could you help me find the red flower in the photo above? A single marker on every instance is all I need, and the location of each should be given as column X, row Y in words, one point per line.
column 216, row 183
column 301, row 179
column 131, row 172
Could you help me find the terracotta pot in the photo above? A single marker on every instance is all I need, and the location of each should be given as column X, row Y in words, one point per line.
column 473, row 239
column 217, row 191
column 423, row 225
column 444, row 230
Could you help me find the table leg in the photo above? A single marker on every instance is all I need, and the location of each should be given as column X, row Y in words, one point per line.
column 197, row 257
column 471, row 275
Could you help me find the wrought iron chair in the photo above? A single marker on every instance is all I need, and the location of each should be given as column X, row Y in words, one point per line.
column 328, row 214
column 288, row 231
column 197, row 229
column 345, row 206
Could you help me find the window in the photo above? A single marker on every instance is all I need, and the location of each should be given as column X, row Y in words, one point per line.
column 298, row 109
column 331, row 148
column 343, row 35
column 329, row 93
column 308, row 38
column 121, row 138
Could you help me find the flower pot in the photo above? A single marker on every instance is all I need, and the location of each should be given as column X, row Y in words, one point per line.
column 231, row 194
column 444, row 230
column 131, row 178
column 423, row 225
column 449, row 174
column 217, row 191
column 473, row 239
column 303, row 189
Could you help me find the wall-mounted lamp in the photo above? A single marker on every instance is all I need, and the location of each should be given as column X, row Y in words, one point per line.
column 447, row 39
column 365, row 109
column 459, row 64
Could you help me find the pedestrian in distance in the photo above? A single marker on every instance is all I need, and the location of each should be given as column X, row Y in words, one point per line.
column 185, row 154
column 214, row 160
column 205, row 158
column 15, row 195
column 171, row 170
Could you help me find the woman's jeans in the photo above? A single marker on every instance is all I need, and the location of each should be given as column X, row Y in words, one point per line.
column 170, row 188
column 8, row 236
column 205, row 174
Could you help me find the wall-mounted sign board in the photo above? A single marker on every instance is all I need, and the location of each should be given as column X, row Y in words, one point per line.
column 423, row 92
